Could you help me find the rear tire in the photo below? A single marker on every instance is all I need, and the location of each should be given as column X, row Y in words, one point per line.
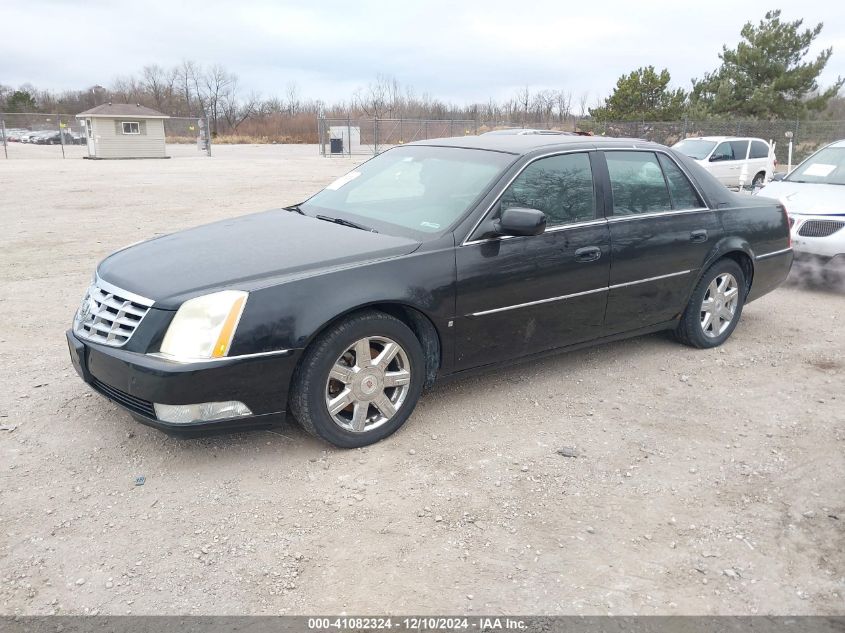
column 715, row 307
column 369, row 370
column 759, row 180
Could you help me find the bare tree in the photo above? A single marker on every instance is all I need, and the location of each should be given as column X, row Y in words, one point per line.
column 292, row 93
column 235, row 111
column 583, row 100
column 564, row 105
column 372, row 100
column 218, row 82
column 543, row 104
column 187, row 77
column 523, row 100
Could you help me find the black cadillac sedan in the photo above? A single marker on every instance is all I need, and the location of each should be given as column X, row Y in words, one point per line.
column 433, row 259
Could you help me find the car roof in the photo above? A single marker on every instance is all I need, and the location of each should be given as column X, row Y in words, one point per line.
column 839, row 143
column 722, row 138
column 526, row 143
column 520, row 130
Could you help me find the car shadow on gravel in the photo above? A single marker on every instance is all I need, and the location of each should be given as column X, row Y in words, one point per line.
column 439, row 402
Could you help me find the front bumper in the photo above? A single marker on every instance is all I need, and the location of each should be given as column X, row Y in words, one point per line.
column 135, row 381
column 820, row 248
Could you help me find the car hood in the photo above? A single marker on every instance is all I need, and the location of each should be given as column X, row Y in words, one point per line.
column 243, row 253
column 807, row 198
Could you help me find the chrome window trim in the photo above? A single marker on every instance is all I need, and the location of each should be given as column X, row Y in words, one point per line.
column 554, row 229
column 773, row 253
column 577, row 294
column 189, row 361
column 607, row 218
column 654, row 214
column 466, row 241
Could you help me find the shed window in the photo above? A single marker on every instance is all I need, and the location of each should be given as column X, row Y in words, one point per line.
column 131, row 127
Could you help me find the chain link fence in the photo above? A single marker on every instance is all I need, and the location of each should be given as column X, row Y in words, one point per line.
column 30, row 135
column 185, row 133
column 354, row 136
column 806, row 136
column 368, row 136
column 41, row 135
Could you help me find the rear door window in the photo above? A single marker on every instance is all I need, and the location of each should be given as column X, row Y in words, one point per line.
column 740, row 149
column 759, row 149
column 681, row 190
column 637, row 183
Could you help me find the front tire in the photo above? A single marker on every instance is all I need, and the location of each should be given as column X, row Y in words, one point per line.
column 715, row 307
column 359, row 381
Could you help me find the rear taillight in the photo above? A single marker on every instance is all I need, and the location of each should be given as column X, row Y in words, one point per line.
column 789, row 223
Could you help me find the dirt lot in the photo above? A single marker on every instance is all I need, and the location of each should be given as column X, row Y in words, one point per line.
column 705, row 481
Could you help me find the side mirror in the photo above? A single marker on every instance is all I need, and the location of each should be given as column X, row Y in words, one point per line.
column 520, row 221
column 717, row 157
column 779, row 176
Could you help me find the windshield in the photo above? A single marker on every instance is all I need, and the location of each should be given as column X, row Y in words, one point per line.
column 418, row 190
column 825, row 167
column 695, row 148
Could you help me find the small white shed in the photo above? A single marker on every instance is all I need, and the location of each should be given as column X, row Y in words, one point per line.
column 124, row 130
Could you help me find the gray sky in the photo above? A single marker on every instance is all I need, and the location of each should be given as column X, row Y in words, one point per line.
column 456, row 51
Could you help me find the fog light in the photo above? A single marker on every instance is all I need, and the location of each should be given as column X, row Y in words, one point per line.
column 202, row 412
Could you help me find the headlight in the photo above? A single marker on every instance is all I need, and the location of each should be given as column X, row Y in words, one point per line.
column 204, row 327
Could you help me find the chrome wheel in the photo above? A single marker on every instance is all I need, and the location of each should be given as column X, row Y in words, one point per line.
column 367, row 384
column 719, row 305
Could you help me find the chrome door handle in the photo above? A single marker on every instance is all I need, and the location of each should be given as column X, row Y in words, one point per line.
column 587, row 254
column 698, row 236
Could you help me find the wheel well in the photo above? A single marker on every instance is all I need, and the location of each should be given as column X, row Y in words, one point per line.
column 745, row 263
column 420, row 325
column 424, row 330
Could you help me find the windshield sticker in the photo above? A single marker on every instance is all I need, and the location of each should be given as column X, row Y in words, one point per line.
column 343, row 180
column 819, row 169
column 430, row 225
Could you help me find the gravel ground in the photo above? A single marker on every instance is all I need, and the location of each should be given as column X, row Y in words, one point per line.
column 636, row 477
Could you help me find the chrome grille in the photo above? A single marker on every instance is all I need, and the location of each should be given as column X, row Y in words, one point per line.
column 820, row 228
column 109, row 315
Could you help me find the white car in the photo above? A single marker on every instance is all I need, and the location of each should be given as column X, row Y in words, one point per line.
column 735, row 161
column 814, row 196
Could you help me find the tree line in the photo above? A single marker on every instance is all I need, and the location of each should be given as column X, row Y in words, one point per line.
column 766, row 76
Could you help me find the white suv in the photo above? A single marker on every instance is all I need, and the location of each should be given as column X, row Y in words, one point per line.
column 735, row 161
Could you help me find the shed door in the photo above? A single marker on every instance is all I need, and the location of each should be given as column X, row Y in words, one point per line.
column 89, row 135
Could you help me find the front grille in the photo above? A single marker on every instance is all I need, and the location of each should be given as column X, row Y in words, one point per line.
column 820, row 228
column 132, row 403
column 109, row 315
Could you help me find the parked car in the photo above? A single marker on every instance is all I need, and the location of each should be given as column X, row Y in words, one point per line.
column 814, row 196
column 54, row 137
column 433, row 259
column 51, row 137
column 28, row 136
column 13, row 135
column 38, row 137
column 734, row 161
